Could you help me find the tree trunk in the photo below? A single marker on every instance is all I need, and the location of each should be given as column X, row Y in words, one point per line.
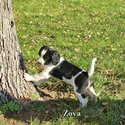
column 12, row 83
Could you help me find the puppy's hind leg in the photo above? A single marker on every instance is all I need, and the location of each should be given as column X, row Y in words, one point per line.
column 82, row 98
column 91, row 93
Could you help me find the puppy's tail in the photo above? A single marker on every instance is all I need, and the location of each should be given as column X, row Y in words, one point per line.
column 91, row 70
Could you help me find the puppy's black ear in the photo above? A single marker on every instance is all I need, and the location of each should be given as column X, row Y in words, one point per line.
column 55, row 57
column 42, row 48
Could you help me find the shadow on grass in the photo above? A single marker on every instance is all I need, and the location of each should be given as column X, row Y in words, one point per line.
column 106, row 111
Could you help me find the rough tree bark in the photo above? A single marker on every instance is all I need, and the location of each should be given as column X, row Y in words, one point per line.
column 12, row 83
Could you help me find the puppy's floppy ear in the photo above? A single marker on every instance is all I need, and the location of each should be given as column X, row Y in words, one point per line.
column 55, row 57
column 39, row 53
column 42, row 48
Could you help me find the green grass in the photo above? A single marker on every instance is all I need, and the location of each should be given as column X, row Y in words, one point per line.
column 10, row 107
column 80, row 30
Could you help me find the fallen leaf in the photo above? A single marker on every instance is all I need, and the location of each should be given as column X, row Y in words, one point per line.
column 46, row 111
column 105, row 103
column 86, row 116
column 122, row 116
column 77, row 50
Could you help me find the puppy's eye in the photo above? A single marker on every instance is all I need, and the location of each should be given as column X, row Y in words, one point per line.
column 45, row 56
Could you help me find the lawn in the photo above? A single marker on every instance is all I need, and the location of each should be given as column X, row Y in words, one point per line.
column 80, row 30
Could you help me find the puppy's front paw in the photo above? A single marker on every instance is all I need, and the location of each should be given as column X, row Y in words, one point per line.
column 28, row 77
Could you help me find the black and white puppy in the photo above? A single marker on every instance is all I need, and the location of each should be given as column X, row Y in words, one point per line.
column 57, row 66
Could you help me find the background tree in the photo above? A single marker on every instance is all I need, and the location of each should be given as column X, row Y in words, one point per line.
column 12, row 83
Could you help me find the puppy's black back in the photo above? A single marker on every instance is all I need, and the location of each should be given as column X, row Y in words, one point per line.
column 66, row 70
column 81, row 81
